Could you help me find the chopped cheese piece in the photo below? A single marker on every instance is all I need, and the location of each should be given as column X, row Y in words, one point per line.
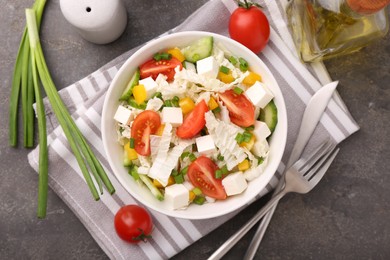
column 205, row 145
column 261, row 130
column 208, row 67
column 150, row 86
column 177, row 196
column 172, row 115
column 259, row 94
column 123, row 115
column 234, row 183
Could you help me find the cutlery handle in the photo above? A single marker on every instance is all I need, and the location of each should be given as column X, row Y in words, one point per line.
column 225, row 247
column 258, row 236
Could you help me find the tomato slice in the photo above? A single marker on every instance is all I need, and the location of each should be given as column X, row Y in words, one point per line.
column 241, row 110
column 194, row 122
column 153, row 68
column 145, row 124
column 201, row 173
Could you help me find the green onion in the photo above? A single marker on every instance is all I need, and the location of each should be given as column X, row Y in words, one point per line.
column 199, row 200
column 239, row 138
column 179, row 178
column 83, row 153
column 197, row 191
column 184, row 171
column 224, row 169
column 175, row 101
column 218, row 174
column 168, row 103
column 184, row 155
column 250, row 128
column 162, row 56
column 220, row 157
column 224, row 70
column 247, row 136
column 192, row 157
column 157, row 95
column 133, row 103
column 232, row 60
column 132, row 143
column 216, row 110
column 22, row 86
column 238, row 90
column 243, row 64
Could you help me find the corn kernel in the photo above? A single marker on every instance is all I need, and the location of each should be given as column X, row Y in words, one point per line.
column 225, row 78
column 251, row 78
column 187, row 105
column 131, row 153
column 139, row 93
column 244, row 165
column 175, row 52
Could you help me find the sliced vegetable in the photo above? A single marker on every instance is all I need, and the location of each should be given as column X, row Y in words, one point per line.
column 129, row 89
column 201, row 173
column 241, row 110
column 145, row 124
column 200, row 49
column 175, row 52
column 269, row 115
column 187, row 105
column 194, row 122
column 139, row 93
column 155, row 191
column 152, row 68
column 251, row 78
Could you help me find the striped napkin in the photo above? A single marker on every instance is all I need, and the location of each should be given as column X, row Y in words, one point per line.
column 85, row 100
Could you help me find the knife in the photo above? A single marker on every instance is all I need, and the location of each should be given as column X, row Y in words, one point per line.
column 312, row 115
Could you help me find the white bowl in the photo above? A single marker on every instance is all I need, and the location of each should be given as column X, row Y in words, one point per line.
column 114, row 150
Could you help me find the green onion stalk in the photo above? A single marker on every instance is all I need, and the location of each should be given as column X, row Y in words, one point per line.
column 30, row 73
column 84, row 155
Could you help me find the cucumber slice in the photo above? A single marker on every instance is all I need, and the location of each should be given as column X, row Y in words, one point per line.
column 200, row 49
column 156, row 192
column 269, row 115
column 126, row 161
column 129, row 89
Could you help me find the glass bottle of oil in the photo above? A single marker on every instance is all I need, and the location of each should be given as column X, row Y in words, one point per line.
column 322, row 29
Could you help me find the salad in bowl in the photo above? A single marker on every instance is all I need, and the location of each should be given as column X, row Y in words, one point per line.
column 194, row 125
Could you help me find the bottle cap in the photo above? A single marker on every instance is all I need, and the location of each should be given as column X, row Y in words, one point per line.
column 367, row 6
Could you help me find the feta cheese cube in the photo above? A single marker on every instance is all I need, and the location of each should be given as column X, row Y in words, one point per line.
column 177, row 196
column 208, row 67
column 172, row 115
column 259, row 94
column 150, row 86
column 261, row 130
column 123, row 115
column 205, row 144
column 143, row 170
column 234, row 183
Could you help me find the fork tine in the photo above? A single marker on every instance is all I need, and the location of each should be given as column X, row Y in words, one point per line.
column 318, row 164
column 304, row 165
column 320, row 173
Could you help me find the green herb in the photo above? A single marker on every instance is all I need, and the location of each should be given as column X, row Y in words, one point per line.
column 184, row 155
column 224, row 70
column 249, row 128
column 162, row 56
column 243, row 64
column 197, row 191
column 83, row 153
column 220, row 157
column 175, row 101
column 199, row 200
column 157, row 95
column 224, row 169
column 132, row 143
column 184, row 170
column 232, row 60
column 239, row 138
column 179, row 178
column 216, row 110
column 218, row 174
column 192, row 157
column 247, row 136
column 168, row 103
column 238, row 90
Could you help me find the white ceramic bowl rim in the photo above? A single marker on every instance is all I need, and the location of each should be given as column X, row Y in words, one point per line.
column 114, row 151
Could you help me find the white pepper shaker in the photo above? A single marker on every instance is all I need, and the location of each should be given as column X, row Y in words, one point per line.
column 97, row 21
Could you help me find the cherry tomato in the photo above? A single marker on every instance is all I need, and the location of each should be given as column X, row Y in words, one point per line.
column 194, row 122
column 250, row 27
column 153, row 68
column 145, row 124
column 201, row 173
column 133, row 223
column 241, row 110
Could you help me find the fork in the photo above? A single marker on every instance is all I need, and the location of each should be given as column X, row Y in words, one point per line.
column 301, row 177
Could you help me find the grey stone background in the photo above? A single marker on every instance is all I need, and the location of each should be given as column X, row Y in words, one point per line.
column 346, row 217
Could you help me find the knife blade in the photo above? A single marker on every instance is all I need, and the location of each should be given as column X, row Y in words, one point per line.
column 311, row 117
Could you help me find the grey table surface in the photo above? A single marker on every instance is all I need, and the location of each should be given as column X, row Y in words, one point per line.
column 345, row 217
